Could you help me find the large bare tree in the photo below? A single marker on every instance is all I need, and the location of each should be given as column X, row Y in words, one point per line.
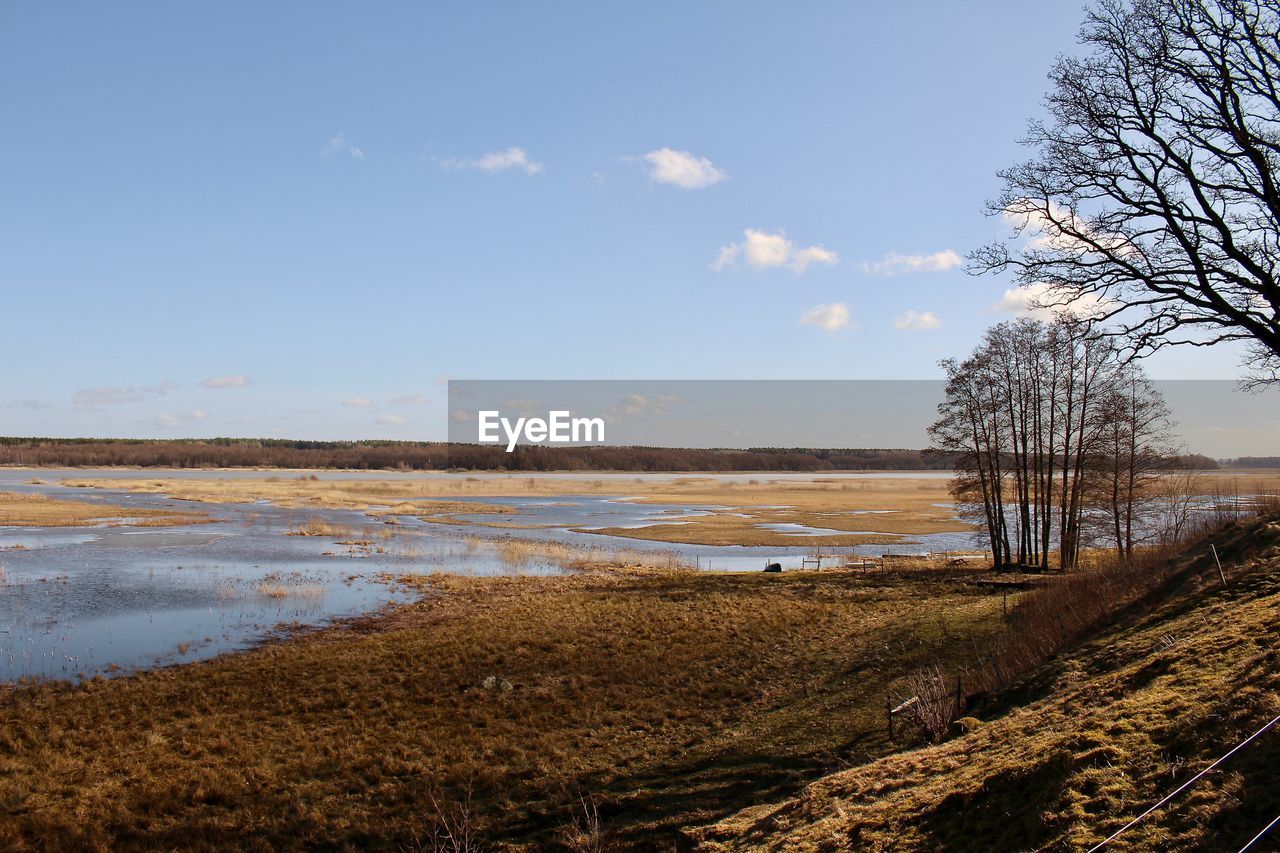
column 1153, row 193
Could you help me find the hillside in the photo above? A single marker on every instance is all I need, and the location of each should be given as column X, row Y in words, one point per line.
column 1091, row 741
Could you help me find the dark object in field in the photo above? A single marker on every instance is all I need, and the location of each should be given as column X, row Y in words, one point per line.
column 773, row 567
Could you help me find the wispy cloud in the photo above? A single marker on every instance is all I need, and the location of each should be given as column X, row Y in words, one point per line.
column 223, row 382
column 28, row 403
column 682, row 169
column 409, row 400
column 1039, row 300
column 916, row 321
column 763, row 250
column 391, row 420
column 1054, row 227
column 830, row 317
column 895, row 264
column 338, row 144
column 358, row 402
column 110, row 395
column 498, row 161
column 172, row 421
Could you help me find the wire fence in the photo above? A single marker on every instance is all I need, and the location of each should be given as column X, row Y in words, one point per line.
column 1187, row 784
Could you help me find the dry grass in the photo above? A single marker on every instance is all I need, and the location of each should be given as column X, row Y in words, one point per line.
column 319, row 527
column 519, row 553
column 1070, row 754
column 661, row 699
column 23, row 510
column 279, row 589
column 303, row 492
column 866, row 510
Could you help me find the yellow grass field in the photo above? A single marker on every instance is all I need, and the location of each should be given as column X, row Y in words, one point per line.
column 864, row 510
column 23, row 510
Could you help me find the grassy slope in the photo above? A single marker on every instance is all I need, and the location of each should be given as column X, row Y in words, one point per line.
column 672, row 699
column 1097, row 736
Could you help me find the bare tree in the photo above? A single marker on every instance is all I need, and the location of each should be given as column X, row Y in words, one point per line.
column 1178, row 496
column 1133, row 455
column 1153, row 193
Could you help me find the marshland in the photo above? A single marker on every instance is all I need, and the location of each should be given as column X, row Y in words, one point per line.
column 545, row 660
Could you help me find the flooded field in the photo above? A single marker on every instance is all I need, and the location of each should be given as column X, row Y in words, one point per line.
column 112, row 597
column 121, row 593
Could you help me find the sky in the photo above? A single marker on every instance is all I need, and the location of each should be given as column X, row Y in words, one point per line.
column 300, row 219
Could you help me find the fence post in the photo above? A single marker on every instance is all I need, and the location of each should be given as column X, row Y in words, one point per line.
column 1221, row 574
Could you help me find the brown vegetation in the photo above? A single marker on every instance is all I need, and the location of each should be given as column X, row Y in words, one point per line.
column 619, row 705
column 868, row 510
column 23, row 510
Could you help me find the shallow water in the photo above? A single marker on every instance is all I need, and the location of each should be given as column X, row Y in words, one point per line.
column 77, row 601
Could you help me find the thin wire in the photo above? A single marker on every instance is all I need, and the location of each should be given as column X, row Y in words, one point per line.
column 1183, row 787
column 1260, row 834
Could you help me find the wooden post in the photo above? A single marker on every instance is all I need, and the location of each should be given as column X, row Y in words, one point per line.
column 1221, row 574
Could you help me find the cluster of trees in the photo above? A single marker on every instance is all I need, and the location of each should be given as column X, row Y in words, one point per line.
column 1058, row 441
column 411, row 455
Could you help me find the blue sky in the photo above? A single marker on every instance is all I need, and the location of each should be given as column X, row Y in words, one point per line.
column 293, row 219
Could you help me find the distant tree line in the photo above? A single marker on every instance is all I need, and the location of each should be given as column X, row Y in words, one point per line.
column 421, row 456
column 1253, row 462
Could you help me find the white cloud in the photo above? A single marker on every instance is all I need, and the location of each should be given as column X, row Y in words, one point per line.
column 915, row 321
column 358, row 402
column 896, row 264
column 172, row 421
column 812, row 255
column 106, row 395
column 391, row 420
column 236, row 381
column 829, row 318
column 682, row 169
column 339, row 144
column 1046, row 227
column 1038, row 300
column 498, row 161
column 762, row 250
column 409, row 400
